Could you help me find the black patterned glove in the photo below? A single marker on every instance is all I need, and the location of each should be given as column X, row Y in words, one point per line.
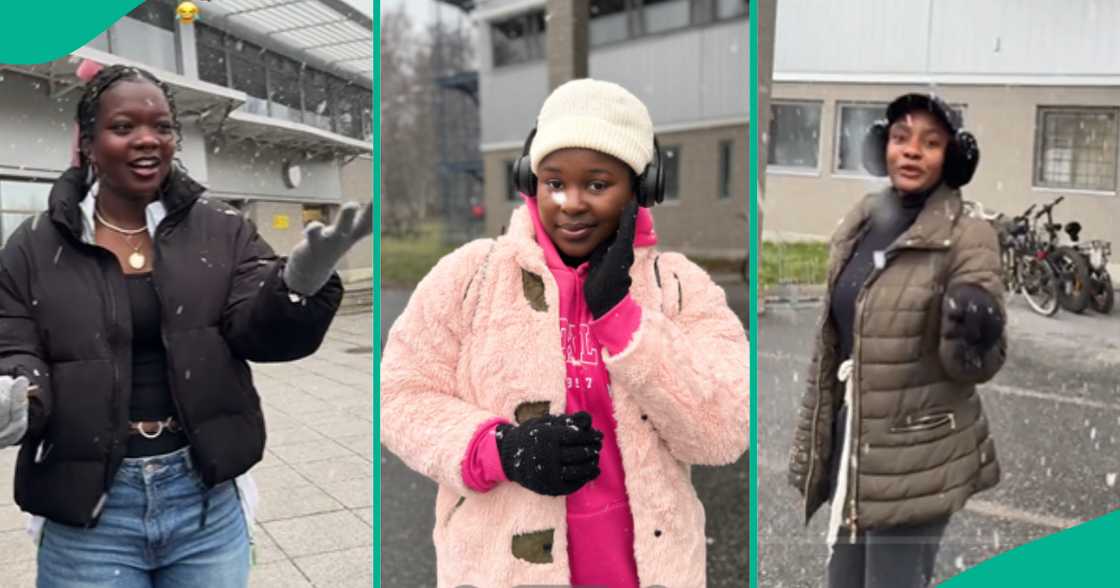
column 973, row 316
column 608, row 280
column 551, row 455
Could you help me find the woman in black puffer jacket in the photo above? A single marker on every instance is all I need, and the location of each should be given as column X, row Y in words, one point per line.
column 130, row 310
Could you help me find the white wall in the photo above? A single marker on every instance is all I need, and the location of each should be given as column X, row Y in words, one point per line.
column 947, row 37
column 698, row 74
column 244, row 171
column 37, row 131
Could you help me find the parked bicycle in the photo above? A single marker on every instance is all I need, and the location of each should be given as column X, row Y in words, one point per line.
column 1071, row 266
column 1023, row 257
column 1096, row 254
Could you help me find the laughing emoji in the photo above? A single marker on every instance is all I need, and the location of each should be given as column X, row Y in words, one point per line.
column 187, row 12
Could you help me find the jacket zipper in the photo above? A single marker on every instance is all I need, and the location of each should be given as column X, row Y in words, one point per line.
column 115, row 400
column 853, row 487
column 857, row 340
column 926, row 422
column 854, row 430
column 184, row 424
column 820, row 378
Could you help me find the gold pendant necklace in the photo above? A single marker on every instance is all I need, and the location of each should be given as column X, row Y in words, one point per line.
column 136, row 260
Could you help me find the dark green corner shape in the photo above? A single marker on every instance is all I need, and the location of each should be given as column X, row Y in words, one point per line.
column 1082, row 556
column 40, row 31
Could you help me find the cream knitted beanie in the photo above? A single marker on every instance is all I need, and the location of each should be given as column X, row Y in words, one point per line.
column 598, row 115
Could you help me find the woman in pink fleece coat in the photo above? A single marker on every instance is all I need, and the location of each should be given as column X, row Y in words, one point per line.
column 558, row 382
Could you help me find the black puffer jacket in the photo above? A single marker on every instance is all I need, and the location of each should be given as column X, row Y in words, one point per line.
column 65, row 322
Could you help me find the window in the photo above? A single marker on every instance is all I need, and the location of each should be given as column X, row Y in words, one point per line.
column 1075, row 148
column 794, row 134
column 209, row 36
column 609, row 22
column 725, row 153
column 664, row 15
column 212, row 65
column 20, row 200
column 852, row 124
column 352, row 109
column 247, row 73
column 518, row 39
column 210, row 45
column 618, row 20
column 156, row 14
column 283, row 88
column 705, row 11
column 316, row 100
column 731, row 8
column 512, row 194
column 671, row 158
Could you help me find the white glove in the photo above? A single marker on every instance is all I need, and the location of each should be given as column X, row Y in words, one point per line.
column 312, row 260
column 13, row 409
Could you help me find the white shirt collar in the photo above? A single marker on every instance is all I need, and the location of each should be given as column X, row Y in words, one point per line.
column 153, row 213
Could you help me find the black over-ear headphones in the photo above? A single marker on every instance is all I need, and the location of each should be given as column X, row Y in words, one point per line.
column 649, row 186
column 962, row 154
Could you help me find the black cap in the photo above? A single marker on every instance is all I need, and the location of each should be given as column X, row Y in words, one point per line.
column 908, row 103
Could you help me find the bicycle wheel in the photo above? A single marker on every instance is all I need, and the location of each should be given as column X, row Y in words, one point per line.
column 1073, row 278
column 1039, row 285
column 1101, row 285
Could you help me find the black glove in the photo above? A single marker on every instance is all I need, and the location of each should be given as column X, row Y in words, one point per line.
column 608, row 280
column 973, row 316
column 551, row 455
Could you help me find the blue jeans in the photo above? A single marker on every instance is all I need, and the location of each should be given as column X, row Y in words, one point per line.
column 149, row 535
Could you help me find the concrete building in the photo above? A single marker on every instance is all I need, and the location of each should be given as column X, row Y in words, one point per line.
column 686, row 59
column 1037, row 82
column 274, row 98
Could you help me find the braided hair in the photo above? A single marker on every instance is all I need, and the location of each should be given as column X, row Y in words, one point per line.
column 90, row 103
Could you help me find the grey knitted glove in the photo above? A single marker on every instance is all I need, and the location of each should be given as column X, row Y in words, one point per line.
column 13, row 409
column 312, row 260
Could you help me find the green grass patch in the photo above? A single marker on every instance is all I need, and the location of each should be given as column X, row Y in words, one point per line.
column 405, row 260
column 716, row 266
column 792, row 263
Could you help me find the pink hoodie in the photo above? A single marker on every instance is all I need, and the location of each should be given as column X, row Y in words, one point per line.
column 600, row 526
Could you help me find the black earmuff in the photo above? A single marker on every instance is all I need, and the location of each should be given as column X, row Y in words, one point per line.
column 651, row 183
column 649, row 186
column 524, row 180
column 962, row 154
column 874, row 149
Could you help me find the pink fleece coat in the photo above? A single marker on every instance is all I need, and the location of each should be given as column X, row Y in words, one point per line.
column 600, row 526
column 478, row 341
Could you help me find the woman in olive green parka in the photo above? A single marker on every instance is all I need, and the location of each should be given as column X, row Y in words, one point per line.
column 891, row 429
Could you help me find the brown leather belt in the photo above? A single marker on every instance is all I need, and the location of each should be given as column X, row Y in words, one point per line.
column 153, row 429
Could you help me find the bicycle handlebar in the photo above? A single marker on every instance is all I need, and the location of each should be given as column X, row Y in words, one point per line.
column 1049, row 207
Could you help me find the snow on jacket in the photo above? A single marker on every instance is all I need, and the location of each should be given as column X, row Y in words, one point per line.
column 478, row 341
